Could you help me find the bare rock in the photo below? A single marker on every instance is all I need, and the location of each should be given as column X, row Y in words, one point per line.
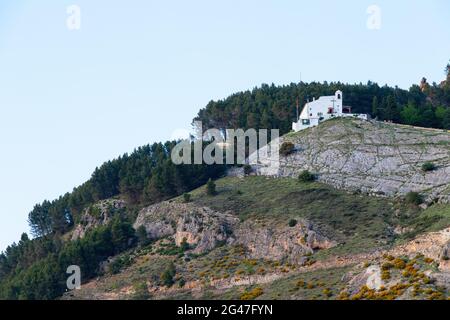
column 372, row 157
column 204, row 229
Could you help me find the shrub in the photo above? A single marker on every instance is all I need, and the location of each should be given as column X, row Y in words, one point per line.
column 120, row 263
column 168, row 275
column 428, row 260
column 385, row 275
column 428, row 166
column 142, row 236
column 413, row 198
column 310, row 286
column 292, row 223
column 141, row 292
column 301, row 283
column 287, row 148
column 253, row 294
column 399, row 264
column 386, row 266
column 306, row 176
column 186, row 197
column 327, row 292
column 184, row 245
column 211, row 188
column 248, row 169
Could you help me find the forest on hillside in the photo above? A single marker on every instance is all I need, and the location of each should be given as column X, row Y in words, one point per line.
column 271, row 106
column 34, row 268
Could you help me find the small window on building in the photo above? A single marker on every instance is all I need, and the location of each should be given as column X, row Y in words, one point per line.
column 319, row 114
column 339, row 96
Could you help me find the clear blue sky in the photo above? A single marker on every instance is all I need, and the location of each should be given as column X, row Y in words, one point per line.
column 138, row 70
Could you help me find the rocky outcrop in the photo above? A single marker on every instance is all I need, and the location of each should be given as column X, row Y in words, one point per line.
column 433, row 245
column 444, row 258
column 204, row 229
column 370, row 157
column 370, row 277
column 281, row 241
column 97, row 215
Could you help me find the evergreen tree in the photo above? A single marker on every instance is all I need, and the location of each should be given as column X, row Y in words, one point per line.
column 375, row 107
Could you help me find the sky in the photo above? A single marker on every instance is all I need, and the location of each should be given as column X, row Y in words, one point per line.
column 137, row 71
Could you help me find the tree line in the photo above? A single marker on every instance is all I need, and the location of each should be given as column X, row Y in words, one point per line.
column 35, row 268
column 271, row 106
column 25, row 275
column 144, row 177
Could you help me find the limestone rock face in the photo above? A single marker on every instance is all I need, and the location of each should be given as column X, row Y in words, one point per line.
column 370, row 157
column 281, row 241
column 204, row 229
column 370, row 277
column 433, row 245
column 99, row 214
column 444, row 263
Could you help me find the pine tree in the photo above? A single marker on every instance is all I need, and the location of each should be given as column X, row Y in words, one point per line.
column 375, row 107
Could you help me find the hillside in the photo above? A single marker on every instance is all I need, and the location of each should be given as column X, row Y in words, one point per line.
column 354, row 233
column 376, row 158
column 243, row 241
column 277, row 237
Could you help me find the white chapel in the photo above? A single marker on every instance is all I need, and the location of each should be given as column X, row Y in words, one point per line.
column 322, row 109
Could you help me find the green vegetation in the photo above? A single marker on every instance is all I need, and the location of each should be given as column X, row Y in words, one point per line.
column 359, row 221
column 247, row 169
column 144, row 177
column 142, row 237
column 141, row 291
column 45, row 275
column 306, row 176
column 292, row 223
column 211, row 188
column 271, row 106
column 168, row 275
column 432, row 219
column 287, row 148
column 413, row 198
column 120, row 263
column 186, row 197
column 252, row 294
column 428, row 166
column 408, row 276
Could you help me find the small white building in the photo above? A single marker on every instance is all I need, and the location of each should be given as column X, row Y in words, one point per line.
column 323, row 109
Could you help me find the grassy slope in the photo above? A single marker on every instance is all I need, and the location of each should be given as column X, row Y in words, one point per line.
column 362, row 222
